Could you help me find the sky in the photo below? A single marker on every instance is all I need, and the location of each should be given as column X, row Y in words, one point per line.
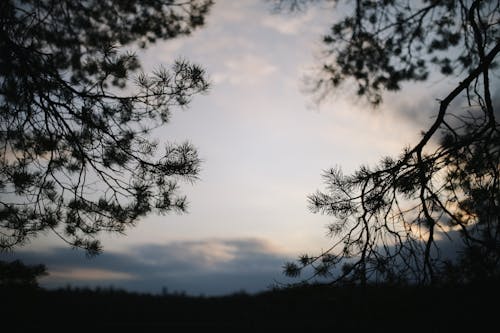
column 264, row 145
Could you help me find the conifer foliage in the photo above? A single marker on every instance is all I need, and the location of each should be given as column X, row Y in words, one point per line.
column 386, row 217
column 76, row 114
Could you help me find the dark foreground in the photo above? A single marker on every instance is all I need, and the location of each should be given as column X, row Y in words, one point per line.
column 306, row 308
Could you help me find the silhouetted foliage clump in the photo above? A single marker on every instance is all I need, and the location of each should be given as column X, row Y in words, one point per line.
column 387, row 217
column 16, row 274
column 76, row 116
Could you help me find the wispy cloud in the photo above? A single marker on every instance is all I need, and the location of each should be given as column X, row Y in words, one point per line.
column 289, row 24
column 246, row 70
column 229, row 11
column 89, row 274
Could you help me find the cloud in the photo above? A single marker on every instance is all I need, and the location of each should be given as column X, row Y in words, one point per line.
column 289, row 24
column 207, row 255
column 229, row 11
column 496, row 104
column 210, row 266
column 85, row 274
column 246, row 70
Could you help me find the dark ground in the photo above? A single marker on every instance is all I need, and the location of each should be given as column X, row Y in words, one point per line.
column 306, row 308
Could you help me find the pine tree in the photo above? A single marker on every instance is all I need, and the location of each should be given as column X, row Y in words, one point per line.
column 76, row 116
column 387, row 216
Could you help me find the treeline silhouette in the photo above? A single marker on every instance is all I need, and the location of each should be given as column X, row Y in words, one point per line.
column 435, row 309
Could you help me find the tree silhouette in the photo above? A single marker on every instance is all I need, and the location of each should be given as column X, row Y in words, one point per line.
column 17, row 274
column 387, row 216
column 76, row 153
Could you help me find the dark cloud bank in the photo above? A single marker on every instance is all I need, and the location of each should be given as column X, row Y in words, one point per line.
column 209, row 267
column 205, row 267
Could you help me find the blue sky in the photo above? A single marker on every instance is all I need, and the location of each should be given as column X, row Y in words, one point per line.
column 264, row 144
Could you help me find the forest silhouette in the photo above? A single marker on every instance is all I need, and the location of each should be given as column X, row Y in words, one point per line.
column 379, row 307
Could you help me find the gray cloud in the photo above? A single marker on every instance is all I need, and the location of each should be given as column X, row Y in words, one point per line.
column 496, row 104
column 210, row 267
column 421, row 107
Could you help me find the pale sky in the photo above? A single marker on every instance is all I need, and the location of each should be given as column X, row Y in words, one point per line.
column 264, row 147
